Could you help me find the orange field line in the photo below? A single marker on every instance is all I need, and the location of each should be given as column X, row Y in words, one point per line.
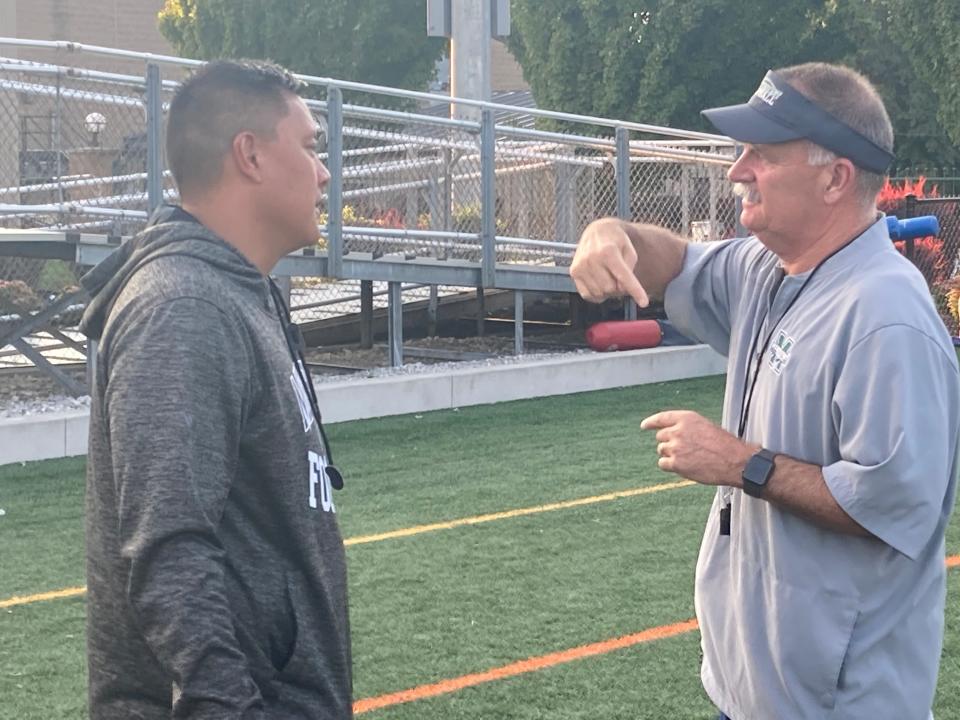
column 541, row 662
column 523, row 666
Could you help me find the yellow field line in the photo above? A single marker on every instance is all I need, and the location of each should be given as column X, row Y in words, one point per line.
column 416, row 530
column 52, row 595
column 519, row 512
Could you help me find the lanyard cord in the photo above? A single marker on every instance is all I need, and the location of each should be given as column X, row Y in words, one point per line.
column 294, row 345
column 747, row 399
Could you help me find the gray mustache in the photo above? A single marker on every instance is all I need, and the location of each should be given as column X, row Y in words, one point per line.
column 746, row 191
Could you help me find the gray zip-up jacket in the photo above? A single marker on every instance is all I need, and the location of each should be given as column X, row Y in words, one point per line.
column 215, row 568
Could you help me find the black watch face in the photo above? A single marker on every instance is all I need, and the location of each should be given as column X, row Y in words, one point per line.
column 758, row 470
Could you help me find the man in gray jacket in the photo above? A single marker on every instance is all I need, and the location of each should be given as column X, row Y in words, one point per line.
column 215, row 567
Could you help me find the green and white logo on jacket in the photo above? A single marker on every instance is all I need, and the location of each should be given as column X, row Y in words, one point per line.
column 780, row 351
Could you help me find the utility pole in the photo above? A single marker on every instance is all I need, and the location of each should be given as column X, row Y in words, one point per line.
column 469, row 56
column 470, row 25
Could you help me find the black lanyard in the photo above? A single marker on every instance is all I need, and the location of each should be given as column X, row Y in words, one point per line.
column 747, row 399
column 295, row 344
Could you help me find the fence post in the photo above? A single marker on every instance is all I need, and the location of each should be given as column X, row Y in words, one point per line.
column 910, row 210
column 154, row 131
column 481, row 311
column 623, row 200
column 366, row 313
column 395, row 323
column 518, row 322
column 488, row 199
column 335, row 186
column 433, row 308
column 58, row 143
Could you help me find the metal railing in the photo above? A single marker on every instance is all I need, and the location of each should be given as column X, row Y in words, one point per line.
column 487, row 194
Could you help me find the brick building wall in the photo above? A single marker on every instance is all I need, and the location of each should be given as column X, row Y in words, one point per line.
column 505, row 71
column 124, row 24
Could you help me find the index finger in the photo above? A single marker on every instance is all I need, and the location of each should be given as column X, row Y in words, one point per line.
column 659, row 420
column 629, row 284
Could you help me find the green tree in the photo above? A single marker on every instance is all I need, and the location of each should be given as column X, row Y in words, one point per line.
column 928, row 34
column 887, row 41
column 659, row 61
column 382, row 42
column 662, row 61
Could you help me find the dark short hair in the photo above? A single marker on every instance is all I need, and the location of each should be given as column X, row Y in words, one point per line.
column 220, row 100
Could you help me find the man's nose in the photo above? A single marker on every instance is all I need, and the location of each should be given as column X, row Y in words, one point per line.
column 739, row 171
column 323, row 175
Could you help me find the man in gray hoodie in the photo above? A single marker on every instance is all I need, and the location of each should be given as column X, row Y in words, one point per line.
column 215, row 567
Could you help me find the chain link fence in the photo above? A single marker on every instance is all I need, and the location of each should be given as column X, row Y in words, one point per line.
column 75, row 156
column 938, row 258
column 549, row 190
column 944, row 181
column 694, row 200
column 411, row 173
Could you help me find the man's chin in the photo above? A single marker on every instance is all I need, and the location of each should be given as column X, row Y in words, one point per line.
column 308, row 239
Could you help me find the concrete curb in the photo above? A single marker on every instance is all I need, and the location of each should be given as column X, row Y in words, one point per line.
column 54, row 435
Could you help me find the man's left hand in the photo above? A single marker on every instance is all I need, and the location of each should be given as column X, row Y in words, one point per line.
column 691, row 446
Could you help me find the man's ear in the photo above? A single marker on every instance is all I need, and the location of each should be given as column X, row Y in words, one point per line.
column 840, row 182
column 244, row 152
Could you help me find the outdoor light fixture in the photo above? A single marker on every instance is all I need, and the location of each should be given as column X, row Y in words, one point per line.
column 95, row 123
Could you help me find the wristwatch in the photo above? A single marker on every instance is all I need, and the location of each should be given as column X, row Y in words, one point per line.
column 758, row 470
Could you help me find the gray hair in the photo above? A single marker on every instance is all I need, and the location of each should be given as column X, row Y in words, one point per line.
column 854, row 101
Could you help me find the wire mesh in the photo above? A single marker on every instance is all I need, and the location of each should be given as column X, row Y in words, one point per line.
column 410, row 175
column 547, row 190
column 75, row 150
column 694, row 199
column 73, row 156
column 938, row 258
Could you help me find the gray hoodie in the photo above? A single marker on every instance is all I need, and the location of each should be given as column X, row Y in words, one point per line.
column 215, row 568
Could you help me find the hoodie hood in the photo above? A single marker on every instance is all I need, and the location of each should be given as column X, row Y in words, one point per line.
column 170, row 231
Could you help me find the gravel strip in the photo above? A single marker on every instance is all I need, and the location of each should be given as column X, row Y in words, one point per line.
column 15, row 408
column 26, row 393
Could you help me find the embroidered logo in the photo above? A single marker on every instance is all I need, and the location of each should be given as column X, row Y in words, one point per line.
column 767, row 92
column 780, row 352
column 306, row 412
column 319, row 478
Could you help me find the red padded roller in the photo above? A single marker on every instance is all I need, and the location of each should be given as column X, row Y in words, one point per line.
column 624, row 335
